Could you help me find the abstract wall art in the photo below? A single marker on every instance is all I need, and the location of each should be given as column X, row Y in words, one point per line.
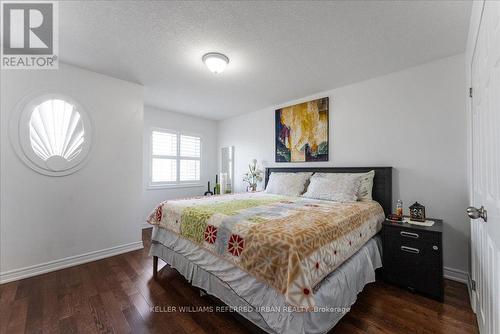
column 302, row 132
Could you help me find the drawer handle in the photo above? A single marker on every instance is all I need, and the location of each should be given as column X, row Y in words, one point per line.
column 410, row 249
column 409, row 234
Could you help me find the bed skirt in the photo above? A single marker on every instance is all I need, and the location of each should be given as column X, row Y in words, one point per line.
column 261, row 304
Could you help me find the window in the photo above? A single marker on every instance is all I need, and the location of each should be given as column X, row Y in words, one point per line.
column 175, row 158
column 56, row 130
column 54, row 134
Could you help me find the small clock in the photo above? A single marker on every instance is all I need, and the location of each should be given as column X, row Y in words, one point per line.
column 417, row 212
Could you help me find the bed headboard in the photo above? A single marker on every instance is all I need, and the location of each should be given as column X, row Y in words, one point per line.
column 382, row 182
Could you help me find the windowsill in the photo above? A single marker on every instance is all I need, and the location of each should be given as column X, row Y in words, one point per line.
column 173, row 186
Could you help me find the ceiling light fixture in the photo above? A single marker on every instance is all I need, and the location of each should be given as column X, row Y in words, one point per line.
column 216, row 62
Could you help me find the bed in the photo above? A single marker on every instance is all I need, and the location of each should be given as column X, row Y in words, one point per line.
column 287, row 264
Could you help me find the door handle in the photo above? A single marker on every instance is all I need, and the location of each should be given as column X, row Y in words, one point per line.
column 476, row 213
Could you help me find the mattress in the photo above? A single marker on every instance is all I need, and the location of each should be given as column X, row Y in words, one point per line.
column 289, row 243
column 257, row 301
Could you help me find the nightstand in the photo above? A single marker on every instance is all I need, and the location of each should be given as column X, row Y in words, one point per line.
column 413, row 257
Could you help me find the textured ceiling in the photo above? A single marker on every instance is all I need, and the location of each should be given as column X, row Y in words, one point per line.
column 279, row 51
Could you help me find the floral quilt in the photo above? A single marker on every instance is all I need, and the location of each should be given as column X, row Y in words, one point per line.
column 291, row 243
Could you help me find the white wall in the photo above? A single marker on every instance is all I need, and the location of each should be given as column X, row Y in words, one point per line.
column 96, row 210
column 207, row 129
column 413, row 120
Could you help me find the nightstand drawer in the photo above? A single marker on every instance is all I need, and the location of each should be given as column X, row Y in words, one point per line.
column 410, row 234
column 428, row 281
column 412, row 253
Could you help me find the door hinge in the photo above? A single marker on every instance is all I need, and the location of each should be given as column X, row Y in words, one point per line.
column 473, row 285
column 470, row 92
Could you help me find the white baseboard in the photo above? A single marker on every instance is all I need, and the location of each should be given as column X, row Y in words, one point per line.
column 462, row 277
column 472, row 294
column 38, row 269
column 456, row 275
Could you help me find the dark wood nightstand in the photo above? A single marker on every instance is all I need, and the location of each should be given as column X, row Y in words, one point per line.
column 413, row 257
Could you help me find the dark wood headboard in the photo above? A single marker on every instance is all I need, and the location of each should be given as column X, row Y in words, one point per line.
column 382, row 182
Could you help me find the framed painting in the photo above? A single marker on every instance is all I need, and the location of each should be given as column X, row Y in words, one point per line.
column 301, row 132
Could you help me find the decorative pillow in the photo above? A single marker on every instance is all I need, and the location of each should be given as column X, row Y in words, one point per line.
column 365, row 185
column 338, row 187
column 288, row 184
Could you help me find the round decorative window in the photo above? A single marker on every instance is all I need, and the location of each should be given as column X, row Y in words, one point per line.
column 54, row 134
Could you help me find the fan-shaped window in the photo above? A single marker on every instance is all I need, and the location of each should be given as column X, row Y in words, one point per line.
column 54, row 134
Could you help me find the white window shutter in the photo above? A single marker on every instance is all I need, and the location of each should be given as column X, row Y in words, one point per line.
column 164, row 170
column 164, row 143
column 190, row 170
column 190, row 146
column 175, row 158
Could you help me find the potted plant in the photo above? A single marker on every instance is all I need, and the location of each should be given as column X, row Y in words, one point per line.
column 253, row 176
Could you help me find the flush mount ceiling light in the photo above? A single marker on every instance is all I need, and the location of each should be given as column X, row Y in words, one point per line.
column 216, row 62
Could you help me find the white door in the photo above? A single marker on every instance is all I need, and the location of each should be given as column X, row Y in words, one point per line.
column 485, row 169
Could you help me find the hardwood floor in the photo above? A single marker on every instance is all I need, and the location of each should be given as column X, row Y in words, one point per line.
column 114, row 295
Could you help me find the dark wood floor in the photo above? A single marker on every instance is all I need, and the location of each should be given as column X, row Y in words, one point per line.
column 114, row 295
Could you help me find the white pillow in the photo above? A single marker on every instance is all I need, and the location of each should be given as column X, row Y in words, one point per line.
column 365, row 185
column 288, row 184
column 338, row 187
